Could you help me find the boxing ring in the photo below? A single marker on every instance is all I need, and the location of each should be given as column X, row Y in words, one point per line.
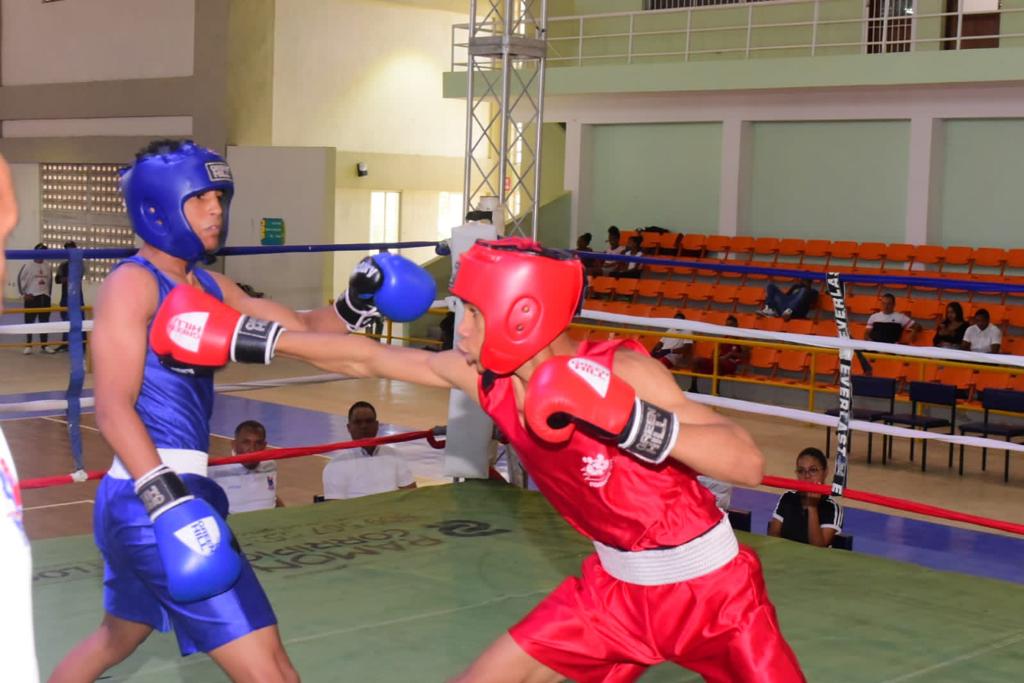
column 412, row 585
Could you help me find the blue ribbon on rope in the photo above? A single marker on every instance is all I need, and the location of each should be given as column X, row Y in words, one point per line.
column 75, row 351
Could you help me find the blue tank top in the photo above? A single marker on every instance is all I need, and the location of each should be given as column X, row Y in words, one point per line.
column 175, row 408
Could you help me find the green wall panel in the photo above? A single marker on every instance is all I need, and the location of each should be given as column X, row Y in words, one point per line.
column 833, row 180
column 654, row 174
column 982, row 203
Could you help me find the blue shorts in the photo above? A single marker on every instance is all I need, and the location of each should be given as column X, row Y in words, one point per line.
column 135, row 584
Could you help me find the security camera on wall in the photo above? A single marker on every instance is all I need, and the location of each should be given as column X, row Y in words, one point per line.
column 361, row 170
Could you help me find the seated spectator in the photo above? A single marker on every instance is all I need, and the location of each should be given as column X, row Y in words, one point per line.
column 730, row 356
column 674, row 352
column 634, row 247
column 592, row 267
column 887, row 326
column 949, row 332
column 808, row 517
column 614, row 247
column 356, row 472
column 981, row 336
column 250, row 485
column 795, row 302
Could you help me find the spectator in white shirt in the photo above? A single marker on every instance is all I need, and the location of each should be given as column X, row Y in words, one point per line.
column 357, row 472
column 614, row 247
column 673, row 352
column 35, row 280
column 888, row 324
column 250, row 485
column 982, row 336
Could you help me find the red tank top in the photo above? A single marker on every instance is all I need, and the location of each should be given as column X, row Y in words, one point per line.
column 607, row 495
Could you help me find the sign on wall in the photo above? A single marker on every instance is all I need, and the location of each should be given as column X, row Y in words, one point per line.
column 272, row 231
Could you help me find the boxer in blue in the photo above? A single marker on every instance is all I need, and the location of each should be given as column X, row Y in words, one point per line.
column 170, row 558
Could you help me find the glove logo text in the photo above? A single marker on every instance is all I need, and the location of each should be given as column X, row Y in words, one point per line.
column 594, row 374
column 201, row 536
column 186, row 329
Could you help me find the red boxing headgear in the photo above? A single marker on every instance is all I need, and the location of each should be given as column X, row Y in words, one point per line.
column 527, row 294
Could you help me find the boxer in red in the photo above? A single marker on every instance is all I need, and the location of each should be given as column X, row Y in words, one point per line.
column 615, row 446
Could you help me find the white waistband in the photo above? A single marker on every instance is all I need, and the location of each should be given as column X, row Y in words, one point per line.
column 181, row 460
column 701, row 556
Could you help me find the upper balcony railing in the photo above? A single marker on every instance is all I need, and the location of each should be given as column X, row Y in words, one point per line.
column 711, row 30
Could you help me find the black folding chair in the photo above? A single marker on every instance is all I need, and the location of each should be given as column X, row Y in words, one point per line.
column 867, row 387
column 739, row 519
column 926, row 393
column 996, row 399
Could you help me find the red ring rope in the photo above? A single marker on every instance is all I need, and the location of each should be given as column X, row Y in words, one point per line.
column 896, row 503
column 259, row 456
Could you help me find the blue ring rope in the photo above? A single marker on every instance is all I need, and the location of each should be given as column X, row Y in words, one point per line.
column 933, row 282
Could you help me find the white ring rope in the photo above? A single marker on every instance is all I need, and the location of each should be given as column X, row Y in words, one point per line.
column 833, row 421
column 88, row 401
column 43, row 328
column 693, row 326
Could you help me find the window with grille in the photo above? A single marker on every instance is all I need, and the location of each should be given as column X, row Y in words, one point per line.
column 82, row 203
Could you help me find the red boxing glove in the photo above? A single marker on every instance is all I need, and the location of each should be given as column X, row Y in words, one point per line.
column 565, row 393
column 194, row 331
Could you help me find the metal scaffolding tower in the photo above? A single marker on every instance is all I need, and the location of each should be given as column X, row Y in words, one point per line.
column 504, row 110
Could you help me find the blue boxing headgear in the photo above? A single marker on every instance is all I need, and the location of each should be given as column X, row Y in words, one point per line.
column 156, row 188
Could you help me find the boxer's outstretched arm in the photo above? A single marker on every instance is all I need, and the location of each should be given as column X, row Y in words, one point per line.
column 323, row 319
column 710, row 443
column 359, row 356
column 127, row 300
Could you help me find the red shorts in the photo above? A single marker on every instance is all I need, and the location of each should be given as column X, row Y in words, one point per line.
column 721, row 625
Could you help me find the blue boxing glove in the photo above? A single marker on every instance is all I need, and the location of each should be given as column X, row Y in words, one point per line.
column 385, row 285
column 195, row 544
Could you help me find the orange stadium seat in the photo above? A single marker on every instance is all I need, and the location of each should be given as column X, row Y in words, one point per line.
column 957, row 259
column 841, row 255
column 601, row 286
column 741, row 248
column 698, row 293
column 1014, row 262
column 799, row 326
column 790, row 251
column 929, row 255
column 894, row 368
column 925, row 310
column 991, row 380
column 717, row 246
column 988, row 261
column 750, row 296
column 826, row 369
column 725, row 294
column 762, row 358
column 870, row 255
column 815, row 253
column 625, row 287
column 668, row 243
column 674, row 291
column 650, row 290
column 693, row 242
column 795, row 363
column 664, row 311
